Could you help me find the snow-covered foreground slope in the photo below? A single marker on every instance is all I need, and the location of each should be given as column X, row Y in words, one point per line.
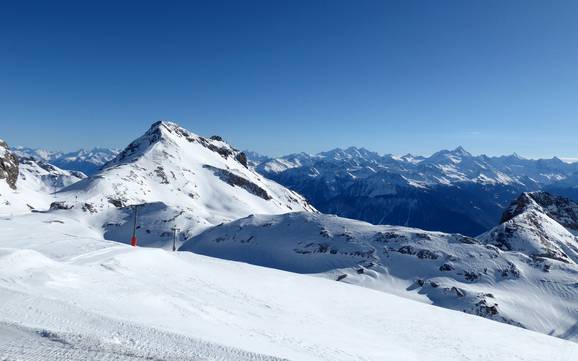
column 182, row 180
column 65, row 294
column 522, row 273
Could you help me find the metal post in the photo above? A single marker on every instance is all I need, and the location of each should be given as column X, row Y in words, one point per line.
column 133, row 240
column 175, row 230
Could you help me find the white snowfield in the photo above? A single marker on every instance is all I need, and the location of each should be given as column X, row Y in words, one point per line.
column 65, row 294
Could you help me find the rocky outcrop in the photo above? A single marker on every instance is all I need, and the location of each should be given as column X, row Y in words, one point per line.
column 235, row 180
column 8, row 165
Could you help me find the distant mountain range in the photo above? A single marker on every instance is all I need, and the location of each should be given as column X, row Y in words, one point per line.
column 450, row 191
column 85, row 161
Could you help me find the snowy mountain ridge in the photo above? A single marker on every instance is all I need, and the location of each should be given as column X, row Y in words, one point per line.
column 88, row 161
column 450, row 191
column 497, row 275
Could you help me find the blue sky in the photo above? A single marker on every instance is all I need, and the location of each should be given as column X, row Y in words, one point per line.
column 285, row 76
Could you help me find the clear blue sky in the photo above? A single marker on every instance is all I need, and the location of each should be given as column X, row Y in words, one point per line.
column 285, row 76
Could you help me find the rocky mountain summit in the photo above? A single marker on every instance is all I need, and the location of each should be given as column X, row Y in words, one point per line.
column 560, row 209
column 8, row 165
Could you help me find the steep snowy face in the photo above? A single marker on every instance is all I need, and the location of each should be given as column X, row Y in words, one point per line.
column 448, row 270
column 8, row 165
column 183, row 180
column 539, row 224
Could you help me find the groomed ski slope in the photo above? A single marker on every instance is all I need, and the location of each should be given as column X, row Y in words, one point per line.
column 75, row 298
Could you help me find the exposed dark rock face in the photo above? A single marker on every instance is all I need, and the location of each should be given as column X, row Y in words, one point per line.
column 235, row 180
column 242, row 158
column 8, row 165
column 59, row 205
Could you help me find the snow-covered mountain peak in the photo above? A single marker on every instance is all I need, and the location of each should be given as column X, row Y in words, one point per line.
column 173, row 137
column 454, row 156
column 560, row 209
column 181, row 179
column 540, row 225
column 461, row 151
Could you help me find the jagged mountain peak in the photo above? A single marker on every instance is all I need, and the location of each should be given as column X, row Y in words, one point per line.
column 454, row 155
column 175, row 138
column 459, row 150
column 560, row 209
column 348, row 153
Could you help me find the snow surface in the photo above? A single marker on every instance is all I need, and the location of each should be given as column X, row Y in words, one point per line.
column 67, row 294
column 531, row 283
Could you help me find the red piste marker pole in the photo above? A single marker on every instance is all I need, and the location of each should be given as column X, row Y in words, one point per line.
column 133, row 240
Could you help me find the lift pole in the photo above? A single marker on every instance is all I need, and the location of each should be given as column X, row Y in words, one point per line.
column 175, row 230
column 133, row 240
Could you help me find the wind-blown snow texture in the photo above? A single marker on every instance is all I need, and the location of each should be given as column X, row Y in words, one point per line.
column 450, row 191
column 523, row 272
column 67, row 294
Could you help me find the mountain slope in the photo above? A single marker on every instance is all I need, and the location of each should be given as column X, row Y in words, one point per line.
column 540, row 225
column 481, row 277
column 182, row 180
column 66, row 294
column 27, row 184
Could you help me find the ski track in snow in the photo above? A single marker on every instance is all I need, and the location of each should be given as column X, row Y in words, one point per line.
column 22, row 343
